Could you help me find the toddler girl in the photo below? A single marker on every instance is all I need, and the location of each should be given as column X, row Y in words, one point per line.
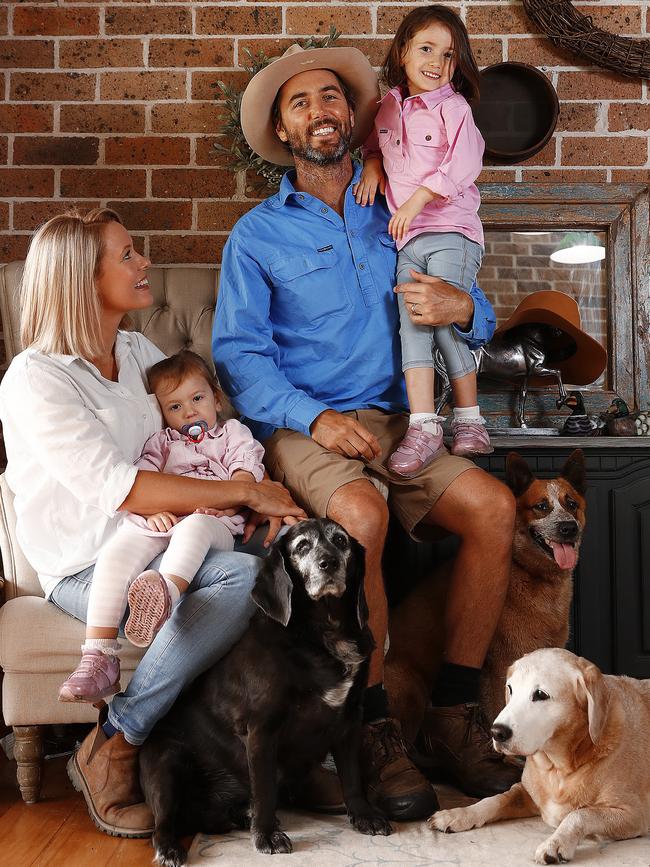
column 194, row 443
column 432, row 153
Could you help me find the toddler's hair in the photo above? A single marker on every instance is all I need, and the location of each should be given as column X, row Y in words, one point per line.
column 466, row 76
column 173, row 370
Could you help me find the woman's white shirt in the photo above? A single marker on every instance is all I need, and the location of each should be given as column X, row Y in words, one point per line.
column 72, row 437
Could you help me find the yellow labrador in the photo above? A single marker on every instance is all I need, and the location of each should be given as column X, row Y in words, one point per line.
column 586, row 738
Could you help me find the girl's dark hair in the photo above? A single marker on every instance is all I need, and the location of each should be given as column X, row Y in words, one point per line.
column 466, row 77
column 177, row 367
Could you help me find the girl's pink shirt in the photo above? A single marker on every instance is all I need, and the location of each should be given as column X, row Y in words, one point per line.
column 430, row 140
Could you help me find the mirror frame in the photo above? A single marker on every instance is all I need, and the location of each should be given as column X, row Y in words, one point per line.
column 621, row 211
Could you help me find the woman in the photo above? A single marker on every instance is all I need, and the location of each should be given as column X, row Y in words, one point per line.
column 76, row 413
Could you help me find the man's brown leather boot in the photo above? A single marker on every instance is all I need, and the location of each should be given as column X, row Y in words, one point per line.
column 105, row 771
column 392, row 781
column 458, row 743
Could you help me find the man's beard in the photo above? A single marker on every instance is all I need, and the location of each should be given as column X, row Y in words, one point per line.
column 302, row 149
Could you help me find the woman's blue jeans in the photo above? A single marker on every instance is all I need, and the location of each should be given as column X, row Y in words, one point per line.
column 204, row 625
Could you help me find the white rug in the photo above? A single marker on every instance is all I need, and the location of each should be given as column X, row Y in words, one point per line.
column 330, row 841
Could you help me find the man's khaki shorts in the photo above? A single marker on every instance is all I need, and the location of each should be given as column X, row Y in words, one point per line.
column 312, row 473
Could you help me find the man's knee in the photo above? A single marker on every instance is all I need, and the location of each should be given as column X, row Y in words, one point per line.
column 492, row 510
column 362, row 510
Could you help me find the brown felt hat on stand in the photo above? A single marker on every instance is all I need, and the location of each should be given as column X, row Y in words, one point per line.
column 349, row 64
column 560, row 310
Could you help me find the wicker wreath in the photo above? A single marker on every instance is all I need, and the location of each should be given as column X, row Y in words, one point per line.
column 566, row 27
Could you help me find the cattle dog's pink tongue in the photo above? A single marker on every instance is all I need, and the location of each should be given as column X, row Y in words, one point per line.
column 565, row 555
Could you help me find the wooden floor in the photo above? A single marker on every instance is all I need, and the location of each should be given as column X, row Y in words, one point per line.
column 57, row 831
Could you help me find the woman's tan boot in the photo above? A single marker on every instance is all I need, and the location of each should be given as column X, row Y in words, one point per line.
column 105, row 771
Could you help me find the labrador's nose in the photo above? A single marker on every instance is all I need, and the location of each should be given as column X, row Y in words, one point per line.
column 501, row 732
column 328, row 563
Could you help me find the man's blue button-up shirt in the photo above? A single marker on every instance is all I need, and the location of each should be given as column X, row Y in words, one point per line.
column 306, row 316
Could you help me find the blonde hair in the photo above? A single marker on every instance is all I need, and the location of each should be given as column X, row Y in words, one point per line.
column 59, row 305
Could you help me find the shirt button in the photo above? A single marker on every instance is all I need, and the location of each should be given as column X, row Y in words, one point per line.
column 353, row 233
column 427, row 138
column 323, row 210
column 397, row 142
column 361, row 266
column 301, row 197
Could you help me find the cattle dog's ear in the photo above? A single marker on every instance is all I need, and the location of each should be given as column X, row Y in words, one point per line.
column 272, row 590
column 359, row 573
column 574, row 471
column 518, row 475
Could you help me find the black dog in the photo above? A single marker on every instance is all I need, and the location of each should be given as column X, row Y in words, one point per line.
column 287, row 693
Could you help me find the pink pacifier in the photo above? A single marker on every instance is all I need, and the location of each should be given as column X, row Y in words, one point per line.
column 195, row 431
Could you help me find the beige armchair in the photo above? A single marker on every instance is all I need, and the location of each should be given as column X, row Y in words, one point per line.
column 39, row 645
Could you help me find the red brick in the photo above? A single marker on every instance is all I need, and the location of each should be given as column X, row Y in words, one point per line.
column 496, row 176
column 631, row 176
column 4, row 215
column 390, row 17
column 191, row 52
column 204, row 117
column 143, row 85
column 154, row 215
column 55, row 21
column 192, row 183
column 105, row 183
column 577, row 116
column 487, row 51
column 221, row 216
column 52, row 86
column 55, row 151
column 30, row 53
column 177, row 249
column 596, row 85
column 4, row 149
column 30, row 215
column 13, row 247
column 91, row 117
column 205, row 84
column 605, row 151
column 374, row 49
column 207, row 154
column 26, row 182
column 614, row 19
column 152, row 19
column 629, row 116
column 308, row 20
column 540, row 51
column 83, row 53
column 148, row 150
column 564, row 176
column 499, row 19
column 26, row 118
column 238, row 20
column 3, row 20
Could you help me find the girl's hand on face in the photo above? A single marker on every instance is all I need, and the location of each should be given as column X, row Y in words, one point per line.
column 162, row 522
column 372, row 179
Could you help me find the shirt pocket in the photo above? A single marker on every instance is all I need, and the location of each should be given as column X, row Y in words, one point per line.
column 309, row 287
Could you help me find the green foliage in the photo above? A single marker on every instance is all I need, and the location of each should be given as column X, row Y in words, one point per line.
column 239, row 155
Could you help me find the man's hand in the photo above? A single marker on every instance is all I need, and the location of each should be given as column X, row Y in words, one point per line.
column 344, row 435
column 432, row 301
column 372, row 179
column 255, row 520
column 161, row 522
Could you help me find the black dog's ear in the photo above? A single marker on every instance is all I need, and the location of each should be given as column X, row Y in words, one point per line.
column 359, row 554
column 518, row 475
column 574, row 471
column 272, row 590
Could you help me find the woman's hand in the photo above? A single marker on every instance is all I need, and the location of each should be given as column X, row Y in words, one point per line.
column 272, row 499
column 162, row 522
column 255, row 519
column 372, row 179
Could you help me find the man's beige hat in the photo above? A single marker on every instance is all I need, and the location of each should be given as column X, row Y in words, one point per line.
column 350, row 64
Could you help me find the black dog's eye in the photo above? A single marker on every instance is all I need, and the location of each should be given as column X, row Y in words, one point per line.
column 340, row 540
column 571, row 504
column 542, row 506
column 303, row 546
column 538, row 695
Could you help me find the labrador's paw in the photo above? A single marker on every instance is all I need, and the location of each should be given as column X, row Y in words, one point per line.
column 453, row 821
column 555, row 850
column 275, row 843
column 372, row 823
column 169, row 853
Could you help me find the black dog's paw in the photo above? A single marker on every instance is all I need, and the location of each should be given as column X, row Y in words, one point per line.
column 169, row 853
column 371, row 823
column 275, row 843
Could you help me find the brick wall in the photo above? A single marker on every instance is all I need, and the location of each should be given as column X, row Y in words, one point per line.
column 117, row 103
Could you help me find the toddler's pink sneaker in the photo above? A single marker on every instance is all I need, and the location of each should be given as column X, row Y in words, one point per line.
column 96, row 676
column 416, row 451
column 470, row 438
column 149, row 607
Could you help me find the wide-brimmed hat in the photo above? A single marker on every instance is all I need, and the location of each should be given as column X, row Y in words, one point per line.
column 349, row 64
column 560, row 310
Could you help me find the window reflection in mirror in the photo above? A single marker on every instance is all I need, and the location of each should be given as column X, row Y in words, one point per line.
column 571, row 261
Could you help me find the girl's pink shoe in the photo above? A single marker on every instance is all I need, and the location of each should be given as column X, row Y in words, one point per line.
column 470, row 438
column 149, row 607
column 416, row 451
column 97, row 676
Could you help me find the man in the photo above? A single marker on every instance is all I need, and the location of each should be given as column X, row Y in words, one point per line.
column 306, row 344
